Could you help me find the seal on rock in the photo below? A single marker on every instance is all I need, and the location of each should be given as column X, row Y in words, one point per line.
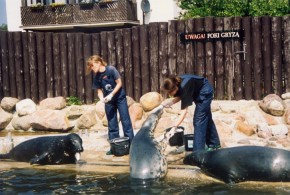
column 47, row 150
column 244, row 163
column 147, row 160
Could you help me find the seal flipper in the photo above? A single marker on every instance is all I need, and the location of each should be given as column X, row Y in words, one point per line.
column 42, row 159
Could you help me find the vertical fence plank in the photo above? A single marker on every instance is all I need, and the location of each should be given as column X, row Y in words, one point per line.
column 189, row 49
column 172, row 42
column 19, row 65
column 286, row 46
column 33, row 66
column 209, row 52
column 71, row 65
column 248, row 65
column 144, row 58
column 266, row 50
column 96, row 49
column 200, row 62
column 229, row 62
column 180, row 48
column 87, row 41
column 11, row 64
column 129, row 79
column 277, row 54
column 153, row 51
column 257, row 63
column 120, row 56
column 111, row 48
column 41, row 66
column 219, row 62
column 238, row 57
column 137, row 87
column 57, row 65
column 104, row 46
column 64, row 64
column 49, row 59
column 5, row 87
column 163, row 48
column 26, row 69
column 79, row 52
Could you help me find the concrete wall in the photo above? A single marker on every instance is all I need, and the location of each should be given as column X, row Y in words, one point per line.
column 160, row 11
column 13, row 15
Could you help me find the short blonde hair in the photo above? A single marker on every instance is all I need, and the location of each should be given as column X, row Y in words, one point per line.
column 93, row 59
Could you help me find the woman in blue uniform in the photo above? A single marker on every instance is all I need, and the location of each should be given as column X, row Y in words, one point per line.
column 109, row 88
column 191, row 88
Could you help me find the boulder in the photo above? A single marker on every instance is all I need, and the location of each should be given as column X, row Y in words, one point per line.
column 74, row 111
column 56, row 103
column 5, row 119
column 25, row 107
column 53, row 120
column 21, row 123
column 9, row 103
column 150, row 100
column 272, row 104
column 87, row 120
column 136, row 112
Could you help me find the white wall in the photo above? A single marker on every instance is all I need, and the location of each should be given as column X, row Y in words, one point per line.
column 13, row 15
column 161, row 11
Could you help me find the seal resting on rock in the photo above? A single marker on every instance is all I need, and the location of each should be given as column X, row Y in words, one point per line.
column 244, row 163
column 47, row 150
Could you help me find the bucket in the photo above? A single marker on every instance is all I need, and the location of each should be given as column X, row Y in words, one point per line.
column 188, row 142
column 120, row 146
column 177, row 138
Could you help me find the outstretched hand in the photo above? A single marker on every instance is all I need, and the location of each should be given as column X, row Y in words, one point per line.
column 167, row 103
column 107, row 98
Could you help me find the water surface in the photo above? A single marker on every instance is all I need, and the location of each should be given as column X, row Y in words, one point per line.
column 39, row 181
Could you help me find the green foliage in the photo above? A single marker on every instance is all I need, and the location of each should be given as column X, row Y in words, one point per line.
column 230, row 8
column 4, row 27
column 72, row 100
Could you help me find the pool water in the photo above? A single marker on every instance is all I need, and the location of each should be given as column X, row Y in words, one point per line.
column 39, row 181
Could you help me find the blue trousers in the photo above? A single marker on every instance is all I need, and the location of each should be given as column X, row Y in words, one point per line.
column 205, row 132
column 111, row 109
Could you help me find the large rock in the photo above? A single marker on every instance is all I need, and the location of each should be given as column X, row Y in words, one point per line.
column 54, row 120
column 5, row 119
column 56, row 103
column 150, row 100
column 87, row 120
column 21, row 123
column 25, row 107
column 9, row 103
column 272, row 104
column 74, row 111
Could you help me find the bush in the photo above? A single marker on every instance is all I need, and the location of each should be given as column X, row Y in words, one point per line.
column 230, row 8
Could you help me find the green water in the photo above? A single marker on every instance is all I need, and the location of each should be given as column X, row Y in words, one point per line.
column 34, row 181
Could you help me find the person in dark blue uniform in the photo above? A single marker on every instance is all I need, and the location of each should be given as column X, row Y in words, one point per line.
column 107, row 82
column 191, row 88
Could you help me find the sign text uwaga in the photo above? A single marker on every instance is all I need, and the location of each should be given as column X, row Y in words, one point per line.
column 211, row 36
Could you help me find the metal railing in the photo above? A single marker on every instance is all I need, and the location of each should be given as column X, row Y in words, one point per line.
column 121, row 10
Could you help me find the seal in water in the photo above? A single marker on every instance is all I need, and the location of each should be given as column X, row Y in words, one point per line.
column 146, row 155
column 47, row 150
column 244, row 163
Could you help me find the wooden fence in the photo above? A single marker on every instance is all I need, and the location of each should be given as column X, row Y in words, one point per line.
column 40, row 65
